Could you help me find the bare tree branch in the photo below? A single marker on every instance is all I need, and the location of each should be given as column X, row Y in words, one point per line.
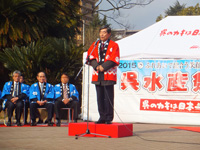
column 121, row 4
column 111, row 4
column 125, row 26
column 124, row 4
column 97, row 5
column 115, row 6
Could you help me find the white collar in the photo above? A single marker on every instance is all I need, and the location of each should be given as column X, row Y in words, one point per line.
column 64, row 84
column 16, row 82
column 41, row 83
column 104, row 42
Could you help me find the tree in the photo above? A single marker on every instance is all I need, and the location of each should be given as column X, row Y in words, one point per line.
column 180, row 10
column 51, row 55
column 190, row 11
column 173, row 10
column 92, row 31
column 65, row 18
column 159, row 18
column 23, row 21
column 112, row 10
column 122, row 4
column 17, row 24
column 26, row 21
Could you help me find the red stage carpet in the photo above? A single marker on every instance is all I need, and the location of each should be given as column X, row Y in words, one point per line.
column 39, row 125
column 194, row 129
column 114, row 130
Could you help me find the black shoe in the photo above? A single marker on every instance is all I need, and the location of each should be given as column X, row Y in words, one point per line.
column 58, row 123
column 108, row 122
column 26, row 123
column 46, row 121
column 9, row 123
column 50, row 123
column 19, row 124
column 33, row 123
column 100, row 122
column 40, row 121
column 75, row 121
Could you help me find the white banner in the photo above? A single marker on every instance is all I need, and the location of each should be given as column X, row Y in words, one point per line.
column 151, row 91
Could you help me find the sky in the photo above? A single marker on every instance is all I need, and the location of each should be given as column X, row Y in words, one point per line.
column 140, row 17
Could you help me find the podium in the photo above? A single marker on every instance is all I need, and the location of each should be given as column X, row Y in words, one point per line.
column 114, row 130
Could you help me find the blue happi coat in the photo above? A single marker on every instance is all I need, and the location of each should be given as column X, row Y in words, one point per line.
column 28, row 88
column 72, row 91
column 0, row 96
column 7, row 90
column 28, row 92
column 34, row 92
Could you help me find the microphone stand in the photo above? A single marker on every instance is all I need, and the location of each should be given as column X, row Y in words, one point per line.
column 86, row 60
column 88, row 130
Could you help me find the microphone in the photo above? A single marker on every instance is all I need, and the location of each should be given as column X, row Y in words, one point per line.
column 95, row 44
column 96, row 41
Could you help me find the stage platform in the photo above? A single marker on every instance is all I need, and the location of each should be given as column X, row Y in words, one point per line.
column 114, row 130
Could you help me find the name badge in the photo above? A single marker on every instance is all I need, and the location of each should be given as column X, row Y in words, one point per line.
column 34, row 93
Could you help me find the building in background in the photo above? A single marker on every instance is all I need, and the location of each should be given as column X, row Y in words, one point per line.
column 87, row 8
column 122, row 33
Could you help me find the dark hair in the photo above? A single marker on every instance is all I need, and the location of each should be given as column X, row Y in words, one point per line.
column 106, row 27
column 65, row 74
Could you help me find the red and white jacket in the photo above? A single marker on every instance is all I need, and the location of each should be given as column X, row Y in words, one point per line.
column 112, row 54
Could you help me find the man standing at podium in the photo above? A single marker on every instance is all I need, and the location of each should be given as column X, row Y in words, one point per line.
column 103, row 56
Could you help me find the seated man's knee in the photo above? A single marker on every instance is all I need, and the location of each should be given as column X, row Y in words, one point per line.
column 32, row 105
column 57, row 103
column 50, row 105
column 20, row 104
column 10, row 105
column 76, row 102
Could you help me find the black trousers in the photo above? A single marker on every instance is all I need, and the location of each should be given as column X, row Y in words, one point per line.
column 26, row 106
column 18, row 109
column 72, row 104
column 48, row 106
column 1, row 101
column 105, row 101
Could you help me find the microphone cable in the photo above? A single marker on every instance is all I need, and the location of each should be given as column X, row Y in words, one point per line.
column 144, row 139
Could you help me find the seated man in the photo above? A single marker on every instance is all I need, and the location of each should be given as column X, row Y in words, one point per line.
column 41, row 96
column 13, row 94
column 21, row 80
column 66, row 95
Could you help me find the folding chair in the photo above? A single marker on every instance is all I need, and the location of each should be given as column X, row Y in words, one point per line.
column 70, row 117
